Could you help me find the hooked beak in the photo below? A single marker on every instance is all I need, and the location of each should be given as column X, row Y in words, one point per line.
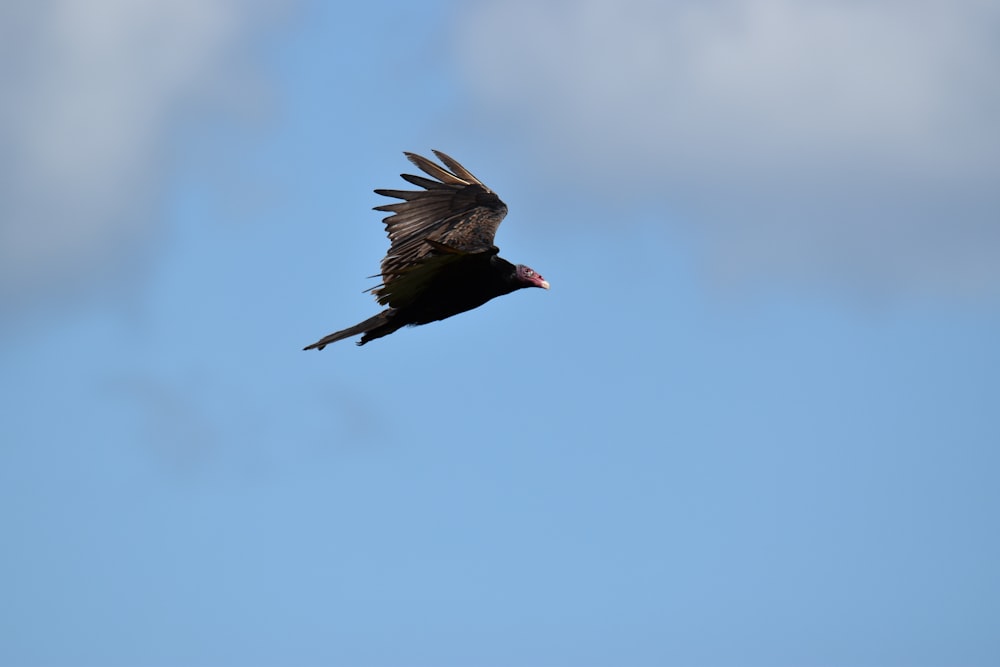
column 544, row 284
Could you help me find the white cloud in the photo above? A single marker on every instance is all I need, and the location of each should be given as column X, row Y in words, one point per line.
column 837, row 139
column 92, row 90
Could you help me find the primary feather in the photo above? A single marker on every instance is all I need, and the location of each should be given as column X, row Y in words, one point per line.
column 441, row 259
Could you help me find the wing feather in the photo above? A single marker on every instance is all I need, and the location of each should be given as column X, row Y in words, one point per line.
column 456, row 168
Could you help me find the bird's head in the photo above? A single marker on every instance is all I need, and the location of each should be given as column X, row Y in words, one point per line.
column 530, row 278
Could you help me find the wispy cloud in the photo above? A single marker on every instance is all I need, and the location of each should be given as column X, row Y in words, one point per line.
column 829, row 140
column 92, row 91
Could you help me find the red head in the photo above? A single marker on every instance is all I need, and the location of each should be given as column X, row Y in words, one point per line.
column 529, row 278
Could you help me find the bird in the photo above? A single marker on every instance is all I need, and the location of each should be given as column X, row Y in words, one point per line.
column 442, row 260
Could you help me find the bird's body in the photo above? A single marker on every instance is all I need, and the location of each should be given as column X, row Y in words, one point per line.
column 442, row 260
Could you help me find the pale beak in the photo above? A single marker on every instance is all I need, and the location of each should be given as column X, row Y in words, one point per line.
column 544, row 284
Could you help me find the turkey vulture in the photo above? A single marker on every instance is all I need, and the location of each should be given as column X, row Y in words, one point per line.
column 441, row 259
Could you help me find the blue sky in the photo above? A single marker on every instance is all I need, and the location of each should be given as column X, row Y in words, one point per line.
column 755, row 421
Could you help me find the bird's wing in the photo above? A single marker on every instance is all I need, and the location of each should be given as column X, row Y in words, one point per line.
column 446, row 264
column 455, row 214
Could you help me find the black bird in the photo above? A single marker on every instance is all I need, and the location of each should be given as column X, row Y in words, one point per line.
column 441, row 259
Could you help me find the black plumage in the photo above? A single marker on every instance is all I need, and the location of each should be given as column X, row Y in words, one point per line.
column 441, row 260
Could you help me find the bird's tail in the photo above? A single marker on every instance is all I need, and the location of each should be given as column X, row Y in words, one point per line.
column 380, row 325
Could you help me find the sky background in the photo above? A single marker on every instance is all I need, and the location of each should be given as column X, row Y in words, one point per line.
column 755, row 421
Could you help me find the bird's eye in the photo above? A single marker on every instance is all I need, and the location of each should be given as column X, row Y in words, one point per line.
column 529, row 273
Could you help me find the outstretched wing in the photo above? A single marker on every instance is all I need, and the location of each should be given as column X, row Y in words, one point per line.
column 454, row 216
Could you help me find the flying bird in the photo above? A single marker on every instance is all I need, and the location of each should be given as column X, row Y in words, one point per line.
column 441, row 260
